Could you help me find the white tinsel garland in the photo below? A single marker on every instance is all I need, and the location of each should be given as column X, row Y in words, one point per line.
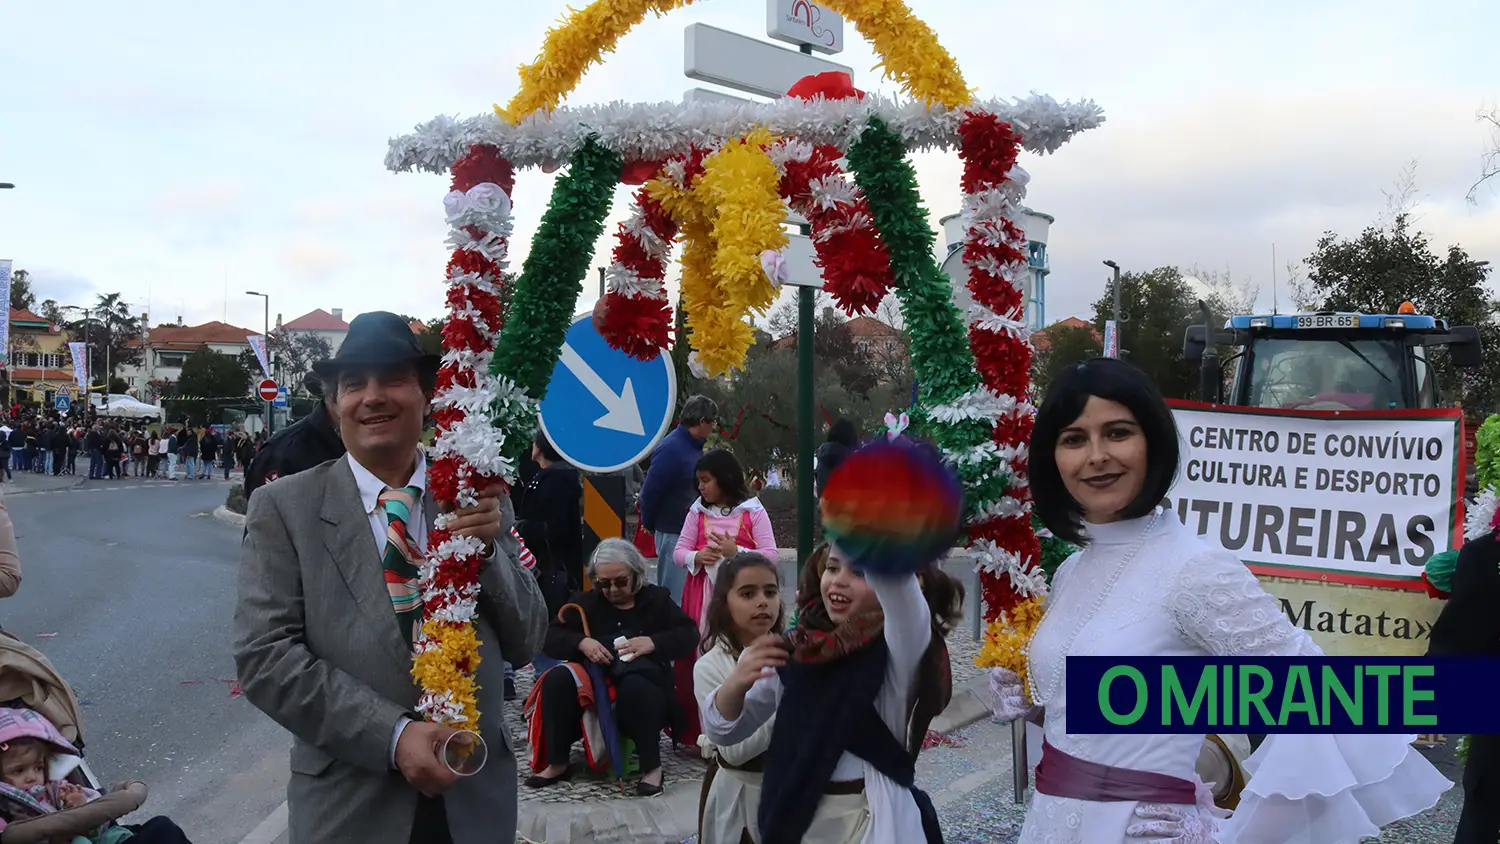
column 655, row 132
column 1480, row 518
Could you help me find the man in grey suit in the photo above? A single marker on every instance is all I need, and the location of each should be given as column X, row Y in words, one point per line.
column 323, row 636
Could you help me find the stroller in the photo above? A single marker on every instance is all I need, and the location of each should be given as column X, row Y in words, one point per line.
column 28, row 681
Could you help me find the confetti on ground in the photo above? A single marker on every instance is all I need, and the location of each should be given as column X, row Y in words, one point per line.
column 191, row 683
column 934, row 739
column 234, row 687
column 45, row 635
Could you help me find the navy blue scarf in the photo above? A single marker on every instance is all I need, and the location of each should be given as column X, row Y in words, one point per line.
column 826, row 709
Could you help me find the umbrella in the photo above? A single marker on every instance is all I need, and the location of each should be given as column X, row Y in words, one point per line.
column 604, row 709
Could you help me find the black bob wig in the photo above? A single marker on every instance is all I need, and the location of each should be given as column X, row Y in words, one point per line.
column 1113, row 380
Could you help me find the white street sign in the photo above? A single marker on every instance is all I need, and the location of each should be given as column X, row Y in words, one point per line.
column 704, row 95
column 803, row 22
column 746, row 64
column 801, row 271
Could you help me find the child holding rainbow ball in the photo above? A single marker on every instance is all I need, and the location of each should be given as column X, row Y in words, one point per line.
column 854, row 685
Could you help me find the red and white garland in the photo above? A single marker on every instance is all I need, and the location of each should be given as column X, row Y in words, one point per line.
column 467, row 454
column 856, row 267
column 637, row 316
column 994, row 253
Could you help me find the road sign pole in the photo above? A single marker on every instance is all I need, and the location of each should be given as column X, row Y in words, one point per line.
column 806, row 325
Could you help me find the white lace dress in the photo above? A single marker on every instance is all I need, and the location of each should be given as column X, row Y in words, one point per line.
column 1175, row 595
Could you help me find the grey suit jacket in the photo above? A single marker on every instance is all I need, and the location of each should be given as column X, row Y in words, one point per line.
column 318, row 649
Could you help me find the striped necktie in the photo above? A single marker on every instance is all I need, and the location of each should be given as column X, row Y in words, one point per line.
column 401, row 560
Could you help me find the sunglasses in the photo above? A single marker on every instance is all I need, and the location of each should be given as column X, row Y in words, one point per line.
column 614, row 583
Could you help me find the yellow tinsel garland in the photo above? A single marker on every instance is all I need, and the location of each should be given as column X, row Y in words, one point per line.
column 908, row 48
column 449, row 646
column 1007, row 639
column 740, row 186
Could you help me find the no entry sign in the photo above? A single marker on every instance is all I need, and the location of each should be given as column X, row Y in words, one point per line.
column 268, row 390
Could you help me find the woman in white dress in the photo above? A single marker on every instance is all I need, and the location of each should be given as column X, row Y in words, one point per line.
column 745, row 606
column 1103, row 457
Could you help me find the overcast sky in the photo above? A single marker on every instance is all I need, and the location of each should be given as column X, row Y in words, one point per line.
column 173, row 151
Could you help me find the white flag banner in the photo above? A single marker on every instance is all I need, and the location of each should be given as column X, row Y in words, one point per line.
column 79, row 352
column 258, row 343
column 5, row 292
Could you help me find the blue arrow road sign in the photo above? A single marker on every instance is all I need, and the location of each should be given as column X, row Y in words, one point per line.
column 604, row 409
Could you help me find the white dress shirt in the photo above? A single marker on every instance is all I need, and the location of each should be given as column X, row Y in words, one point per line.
column 370, row 488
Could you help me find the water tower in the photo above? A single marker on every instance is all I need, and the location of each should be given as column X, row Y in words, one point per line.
column 1036, row 225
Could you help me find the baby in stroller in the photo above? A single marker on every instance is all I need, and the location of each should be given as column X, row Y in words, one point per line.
column 47, row 793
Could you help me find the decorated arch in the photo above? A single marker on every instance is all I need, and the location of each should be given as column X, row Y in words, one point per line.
column 713, row 178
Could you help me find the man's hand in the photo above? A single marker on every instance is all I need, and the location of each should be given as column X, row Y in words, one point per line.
column 639, row 646
column 72, row 795
column 482, row 521
column 595, row 652
column 419, row 759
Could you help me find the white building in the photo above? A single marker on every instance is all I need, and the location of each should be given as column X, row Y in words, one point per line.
column 167, row 347
column 328, row 325
column 1037, row 227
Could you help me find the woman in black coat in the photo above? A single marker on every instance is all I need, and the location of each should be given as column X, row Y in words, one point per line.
column 623, row 605
column 554, row 500
column 1469, row 625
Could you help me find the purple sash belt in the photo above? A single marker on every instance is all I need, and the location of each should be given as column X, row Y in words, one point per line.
column 1061, row 775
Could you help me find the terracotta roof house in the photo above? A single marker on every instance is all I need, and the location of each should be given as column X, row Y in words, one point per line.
column 39, row 363
column 329, row 325
column 168, row 347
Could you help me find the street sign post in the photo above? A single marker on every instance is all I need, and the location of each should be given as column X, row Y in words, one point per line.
column 268, row 390
column 747, row 64
column 280, row 397
column 604, row 409
column 64, row 404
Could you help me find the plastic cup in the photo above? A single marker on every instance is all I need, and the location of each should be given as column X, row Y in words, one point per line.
column 464, row 753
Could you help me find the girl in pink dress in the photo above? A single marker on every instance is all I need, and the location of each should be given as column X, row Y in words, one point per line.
column 725, row 520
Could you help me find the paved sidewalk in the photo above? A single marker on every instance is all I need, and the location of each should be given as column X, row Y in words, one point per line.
column 23, row 483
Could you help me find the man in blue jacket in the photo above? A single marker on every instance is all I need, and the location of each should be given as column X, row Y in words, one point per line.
column 671, row 486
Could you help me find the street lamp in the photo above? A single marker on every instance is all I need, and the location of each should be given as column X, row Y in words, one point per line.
column 1117, row 320
column 270, row 412
column 6, row 185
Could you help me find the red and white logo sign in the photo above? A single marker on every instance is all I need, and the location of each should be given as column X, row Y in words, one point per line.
column 268, row 390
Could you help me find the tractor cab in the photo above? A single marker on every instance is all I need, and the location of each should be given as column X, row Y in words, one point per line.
column 1330, row 361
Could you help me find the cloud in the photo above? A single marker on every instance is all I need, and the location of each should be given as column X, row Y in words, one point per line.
column 310, row 260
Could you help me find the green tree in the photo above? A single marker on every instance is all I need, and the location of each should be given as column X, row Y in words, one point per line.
column 1393, row 263
column 1158, row 307
column 1066, row 345
column 112, row 333
column 208, row 374
column 21, row 295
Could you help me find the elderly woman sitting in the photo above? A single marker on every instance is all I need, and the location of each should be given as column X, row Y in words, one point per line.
column 623, row 605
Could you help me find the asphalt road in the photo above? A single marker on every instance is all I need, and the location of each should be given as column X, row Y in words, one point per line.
column 128, row 587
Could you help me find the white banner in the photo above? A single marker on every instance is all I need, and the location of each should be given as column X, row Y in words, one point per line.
column 258, row 343
column 5, row 323
column 1111, row 339
column 1322, row 495
column 79, row 352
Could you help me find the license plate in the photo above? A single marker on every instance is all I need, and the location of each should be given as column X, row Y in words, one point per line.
column 1328, row 321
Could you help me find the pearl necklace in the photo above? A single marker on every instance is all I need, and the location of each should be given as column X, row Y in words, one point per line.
column 1056, row 676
